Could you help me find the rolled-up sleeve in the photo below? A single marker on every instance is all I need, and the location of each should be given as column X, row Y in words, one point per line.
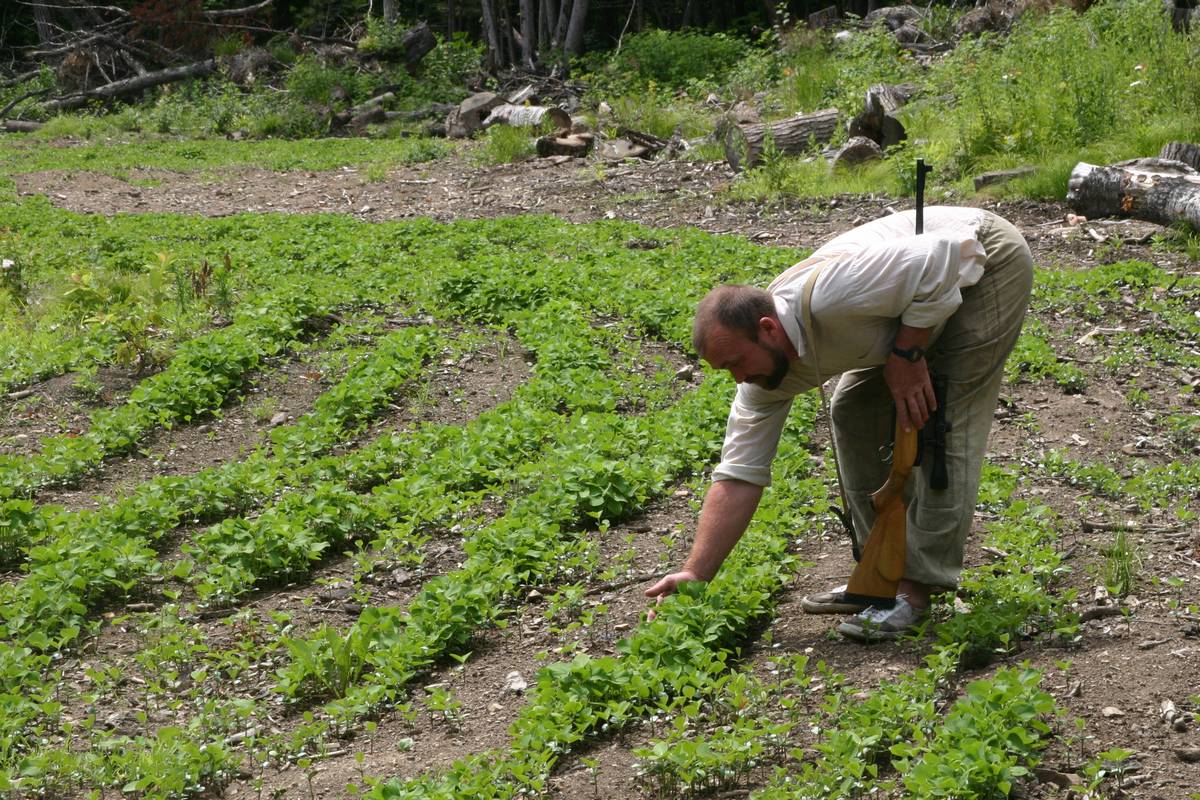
column 755, row 424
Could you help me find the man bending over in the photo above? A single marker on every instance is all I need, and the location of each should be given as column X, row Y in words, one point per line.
column 884, row 308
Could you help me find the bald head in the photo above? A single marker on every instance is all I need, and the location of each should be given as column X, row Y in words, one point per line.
column 735, row 308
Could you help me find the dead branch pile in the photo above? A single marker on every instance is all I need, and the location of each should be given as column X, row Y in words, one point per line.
column 102, row 53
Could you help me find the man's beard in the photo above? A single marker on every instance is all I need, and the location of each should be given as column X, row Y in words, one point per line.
column 780, row 371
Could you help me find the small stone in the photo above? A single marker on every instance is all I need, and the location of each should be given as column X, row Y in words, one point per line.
column 1190, row 755
column 513, row 682
column 1112, row 711
column 533, row 596
column 685, row 373
column 278, row 418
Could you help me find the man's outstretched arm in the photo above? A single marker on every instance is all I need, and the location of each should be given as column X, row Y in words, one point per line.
column 724, row 517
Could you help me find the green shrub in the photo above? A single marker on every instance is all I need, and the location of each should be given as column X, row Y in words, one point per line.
column 310, row 80
column 1068, row 80
column 673, row 58
column 504, row 144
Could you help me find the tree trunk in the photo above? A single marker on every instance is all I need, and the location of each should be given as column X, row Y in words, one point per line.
column 136, row 84
column 41, row 17
column 560, row 26
column 744, row 144
column 574, row 42
column 528, row 32
column 1150, row 189
column 491, row 34
column 545, row 26
column 389, row 11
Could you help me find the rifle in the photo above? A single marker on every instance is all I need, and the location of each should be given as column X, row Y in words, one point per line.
column 878, row 572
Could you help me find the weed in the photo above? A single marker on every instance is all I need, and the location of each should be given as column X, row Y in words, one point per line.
column 1122, row 564
column 504, row 144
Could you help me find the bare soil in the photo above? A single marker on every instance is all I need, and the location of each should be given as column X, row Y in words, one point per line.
column 1119, row 673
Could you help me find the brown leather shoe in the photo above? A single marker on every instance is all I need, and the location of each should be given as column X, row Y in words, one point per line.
column 830, row 602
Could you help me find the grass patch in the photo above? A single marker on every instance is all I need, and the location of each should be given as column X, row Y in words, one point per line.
column 27, row 154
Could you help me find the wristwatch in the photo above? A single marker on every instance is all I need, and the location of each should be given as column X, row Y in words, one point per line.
column 913, row 354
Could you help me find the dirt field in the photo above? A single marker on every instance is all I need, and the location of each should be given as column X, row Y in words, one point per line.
column 1122, row 670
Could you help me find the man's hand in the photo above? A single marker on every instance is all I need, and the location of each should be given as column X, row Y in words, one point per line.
column 667, row 585
column 912, row 391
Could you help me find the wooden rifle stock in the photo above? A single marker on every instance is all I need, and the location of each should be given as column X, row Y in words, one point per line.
column 875, row 578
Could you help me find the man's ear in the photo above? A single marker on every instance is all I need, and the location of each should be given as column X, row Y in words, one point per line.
column 769, row 328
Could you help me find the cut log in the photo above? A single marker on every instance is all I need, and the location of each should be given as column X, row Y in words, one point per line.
column 856, row 150
column 621, row 149
column 650, row 142
column 435, row 110
column 416, row 43
column 1150, row 189
column 1001, row 176
column 744, row 144
column 19, row 125
column 372, row 116
column 133, row 85
column 824, row 18
column 527, row 116
column 467, row 118
column 576, row 144
column 878, row 120
column 1182, row 151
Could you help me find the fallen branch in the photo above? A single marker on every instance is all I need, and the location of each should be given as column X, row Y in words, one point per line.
column 132, row 85
column 237, row 12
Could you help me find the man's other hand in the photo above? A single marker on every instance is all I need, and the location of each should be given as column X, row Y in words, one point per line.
column 912, row 390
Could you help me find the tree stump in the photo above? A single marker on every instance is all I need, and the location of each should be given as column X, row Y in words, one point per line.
column 878, row 120
column 1182, row 151
column 576, row 144
column 1150, row 189
column 744, row 144
column 464, row 120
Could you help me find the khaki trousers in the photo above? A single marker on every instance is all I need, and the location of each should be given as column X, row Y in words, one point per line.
column 970, row 353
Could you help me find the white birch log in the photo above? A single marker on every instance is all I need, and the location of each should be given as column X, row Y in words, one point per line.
column 1151, row 189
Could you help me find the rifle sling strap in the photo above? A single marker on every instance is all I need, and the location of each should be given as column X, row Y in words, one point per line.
column 843, row 513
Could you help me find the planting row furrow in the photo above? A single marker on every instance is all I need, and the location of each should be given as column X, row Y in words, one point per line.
column 198, row 381
column 681, row 652
column 85, row 556
column 517, row 550
column 488, row 450
column 671, row 665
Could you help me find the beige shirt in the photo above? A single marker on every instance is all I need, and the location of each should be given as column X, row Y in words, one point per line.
column 872, row 278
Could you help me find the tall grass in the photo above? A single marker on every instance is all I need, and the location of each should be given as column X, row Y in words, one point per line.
column 1064, row 82
column 1111, row 83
